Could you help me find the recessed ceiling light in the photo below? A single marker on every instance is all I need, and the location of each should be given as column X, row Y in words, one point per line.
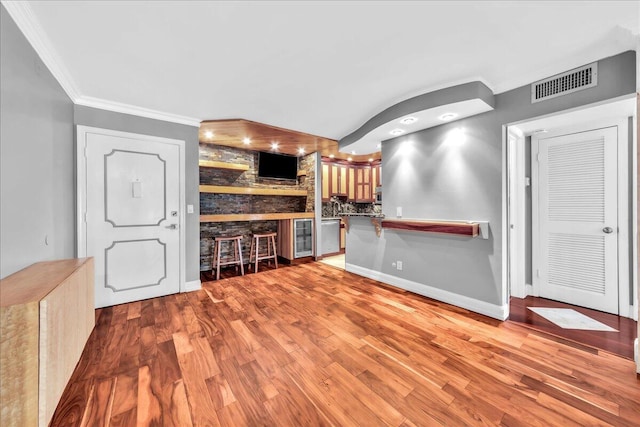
column 370, row 160
column 246, row 140
column 397, row 132
column 301, row 150
column 408, row 120
column 448, row 116
column 379, row 145
column 349, row 158
column 274, row 145
column 331, row 156
column 353, row 152
column 208, row 134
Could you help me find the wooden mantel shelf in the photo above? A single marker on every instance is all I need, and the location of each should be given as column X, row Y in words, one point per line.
column 223, row 165
column 462, row 228
column 255, row 217
column 251, row 191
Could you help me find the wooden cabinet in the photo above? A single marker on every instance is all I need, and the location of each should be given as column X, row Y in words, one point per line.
column 351, row 194
column 46, row 316
column 364, row 189
column 357, row 182
column 326, row 181
column 335, row 180
column 376, row 177
column 339, row 180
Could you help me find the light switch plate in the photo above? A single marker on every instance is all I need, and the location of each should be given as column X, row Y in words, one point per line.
column 189, row 208
column 399, row 212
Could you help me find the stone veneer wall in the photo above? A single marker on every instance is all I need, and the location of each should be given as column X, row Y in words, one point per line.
column 215, row 204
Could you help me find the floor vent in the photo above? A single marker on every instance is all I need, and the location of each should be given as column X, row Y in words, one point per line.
column 561, row 84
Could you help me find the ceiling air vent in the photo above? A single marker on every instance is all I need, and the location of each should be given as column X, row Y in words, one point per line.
column 561, row 84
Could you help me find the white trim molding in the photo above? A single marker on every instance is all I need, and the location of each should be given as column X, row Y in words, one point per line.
column 28, row 23
column 192, row 285
column 500, row 312
column 119, row 107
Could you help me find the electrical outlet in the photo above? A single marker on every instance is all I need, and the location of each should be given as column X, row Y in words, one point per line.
column 393, row 264
column 399, row 265
column 399, row 212
column 189, row 208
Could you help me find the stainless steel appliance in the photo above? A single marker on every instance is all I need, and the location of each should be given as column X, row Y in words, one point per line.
column 330, row 236
column 303, row 237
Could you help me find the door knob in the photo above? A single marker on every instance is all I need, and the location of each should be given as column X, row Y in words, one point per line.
column 608, row 230
column 172, row 226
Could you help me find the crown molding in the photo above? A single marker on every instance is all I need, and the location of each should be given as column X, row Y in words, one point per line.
column 26, row 20
column 118, row 107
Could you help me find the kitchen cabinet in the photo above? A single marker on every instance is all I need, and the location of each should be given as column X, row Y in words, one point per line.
column 351, row 194
column 335, row 180
column 364, row 190
column 376, row 177
column 326, row 182
column 339, row 179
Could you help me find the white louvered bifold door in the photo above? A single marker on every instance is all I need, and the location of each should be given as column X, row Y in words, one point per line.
column 578, row 228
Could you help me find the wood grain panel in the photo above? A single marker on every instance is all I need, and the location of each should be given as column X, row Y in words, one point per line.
column 231, row 133
column 222, row 165
column 460, row 228
column 252, row 191
column 255, row 217
column 46, row 316
column 314, row 345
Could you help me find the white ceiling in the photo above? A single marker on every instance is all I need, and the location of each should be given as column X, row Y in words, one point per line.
column 322, row 68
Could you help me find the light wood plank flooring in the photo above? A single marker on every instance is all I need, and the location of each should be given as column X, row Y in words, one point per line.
column 312, row 345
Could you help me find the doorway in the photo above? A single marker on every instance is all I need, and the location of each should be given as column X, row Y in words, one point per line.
column 522, row 278
column 130, row 213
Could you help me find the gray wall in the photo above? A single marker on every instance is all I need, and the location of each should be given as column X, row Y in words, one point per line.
column 37, row 220
column 128, row 123
column 437, row 175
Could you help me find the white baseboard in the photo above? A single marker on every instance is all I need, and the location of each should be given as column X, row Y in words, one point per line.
column 194, row 285
column 477, row 306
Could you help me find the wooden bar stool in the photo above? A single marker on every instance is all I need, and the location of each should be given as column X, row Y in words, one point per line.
column 254, row 253
column 236, row 260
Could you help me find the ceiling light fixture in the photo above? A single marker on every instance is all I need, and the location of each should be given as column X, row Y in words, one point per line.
column 408, row 120
column 349, row 158
column 331, row 156
column 208, row 134
column 353, row 152
column 397, row 132
column 301, row 150
column 448, row 116
column 274, row 145
column 370, row 160
column 246, row 140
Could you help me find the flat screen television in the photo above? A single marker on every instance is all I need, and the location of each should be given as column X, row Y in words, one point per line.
column 277, row 166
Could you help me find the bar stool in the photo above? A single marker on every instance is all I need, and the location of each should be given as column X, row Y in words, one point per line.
column 254, row 253
column 237, row 254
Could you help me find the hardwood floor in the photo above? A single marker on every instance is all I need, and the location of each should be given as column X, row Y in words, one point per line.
column 312, row 345
column 620, row 342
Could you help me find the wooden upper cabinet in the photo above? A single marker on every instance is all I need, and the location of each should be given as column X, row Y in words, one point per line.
column 376, row 177
column 339, row 180
column 351, row 196
column 364, row 189
column 326, row 182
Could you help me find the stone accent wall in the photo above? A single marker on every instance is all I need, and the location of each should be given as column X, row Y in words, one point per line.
column 215, row 204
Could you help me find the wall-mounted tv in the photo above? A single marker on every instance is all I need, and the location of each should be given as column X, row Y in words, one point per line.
column 277, row 166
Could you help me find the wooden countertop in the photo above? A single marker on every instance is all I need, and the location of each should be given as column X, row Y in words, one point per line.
column 37, row 281
column 462, row 228
column 255, row 217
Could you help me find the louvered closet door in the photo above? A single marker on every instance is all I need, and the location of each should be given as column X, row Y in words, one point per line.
column 578, row 228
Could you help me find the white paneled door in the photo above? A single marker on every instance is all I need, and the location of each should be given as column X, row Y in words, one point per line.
column 577, row 211
column 129, row 199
